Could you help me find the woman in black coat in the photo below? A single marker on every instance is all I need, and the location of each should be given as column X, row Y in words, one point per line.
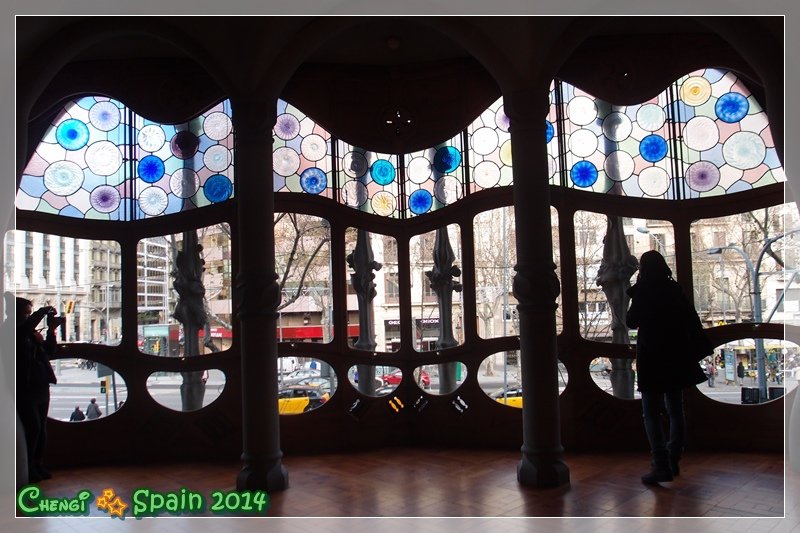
column 663, row 367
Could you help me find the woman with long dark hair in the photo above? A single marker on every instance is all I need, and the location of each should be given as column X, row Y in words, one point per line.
column 664, row 367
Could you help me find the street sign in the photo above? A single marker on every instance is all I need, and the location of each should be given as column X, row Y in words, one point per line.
column 103, row 370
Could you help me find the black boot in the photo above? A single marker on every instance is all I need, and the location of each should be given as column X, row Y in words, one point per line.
column 659, row 469
column 657, row 475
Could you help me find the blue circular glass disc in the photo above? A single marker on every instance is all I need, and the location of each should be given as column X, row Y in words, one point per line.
column 151, row 168
column 653, row 148
column 313, row 180
column 583, row 174
column 218, row 188
column 382, row 172
column 446, row 159
column 549, row 131
column 731, row 107
column 420, row 202
column 72, row 134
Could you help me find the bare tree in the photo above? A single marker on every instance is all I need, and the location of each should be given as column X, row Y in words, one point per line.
column 495, row 256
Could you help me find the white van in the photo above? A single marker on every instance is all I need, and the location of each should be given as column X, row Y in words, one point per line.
column 287, row 364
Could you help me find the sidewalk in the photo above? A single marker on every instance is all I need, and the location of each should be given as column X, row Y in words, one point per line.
column 70, row 374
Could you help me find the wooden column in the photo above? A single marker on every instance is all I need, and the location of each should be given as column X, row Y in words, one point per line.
column 536, row 288
column 258, row 297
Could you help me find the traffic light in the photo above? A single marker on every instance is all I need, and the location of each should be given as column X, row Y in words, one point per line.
column 103, row 384
column 70, row 306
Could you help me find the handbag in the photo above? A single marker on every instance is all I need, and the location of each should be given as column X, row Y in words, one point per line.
column 699, row 345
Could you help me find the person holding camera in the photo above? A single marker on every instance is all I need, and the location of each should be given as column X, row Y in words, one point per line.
column 34, row 376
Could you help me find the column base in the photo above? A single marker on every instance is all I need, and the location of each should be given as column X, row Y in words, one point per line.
column 542, row 471
column 272, row 478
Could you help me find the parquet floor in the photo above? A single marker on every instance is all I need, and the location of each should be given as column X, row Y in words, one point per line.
column 729, row 492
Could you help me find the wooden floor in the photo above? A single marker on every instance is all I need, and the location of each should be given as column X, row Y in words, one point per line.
column 444, row 484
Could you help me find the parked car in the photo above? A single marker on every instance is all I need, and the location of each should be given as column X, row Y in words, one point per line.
column 297, row 375
column 394, row 378
column 296, row 399
column 511, row 397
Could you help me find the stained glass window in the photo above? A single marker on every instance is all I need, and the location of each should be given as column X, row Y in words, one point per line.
column 704, row 135
column 435, row 176
column 100, row 160
column 301, row 159
column 368, row 181
column 490, row 149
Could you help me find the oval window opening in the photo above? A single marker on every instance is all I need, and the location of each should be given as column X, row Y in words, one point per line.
column 500, row 378
column 601, row 368
column 732, row 373
column 441, row 378
column 308, row 386
column 375, row 380
column 186, row 391
column 79, row 382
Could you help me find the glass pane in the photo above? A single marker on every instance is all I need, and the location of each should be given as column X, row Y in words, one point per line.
column 80, row 381
column 199, row 388
column 301, row 157
column 490, row 149
column 387, row 300
column 724, row 144
column 725, row 255
column 81, row 278
column 384, row 308
column 435, row 177
column 302, row 261
column 557, row 262
column 175, row 281
column 733, row 371
column 368, row 181
column 307, row 386
column 500, row 378
column 600, row 368
column 637, row 236
column 99, row 160
column 429, row 331
column 382, row 380
column 495, row 257
column 429, row 377
column 304, row 370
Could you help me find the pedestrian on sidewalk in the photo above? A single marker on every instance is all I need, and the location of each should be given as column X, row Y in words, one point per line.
column 712, row 373
column 77, row 415
column 661, row 312
column 740, row 373
column 93, row 410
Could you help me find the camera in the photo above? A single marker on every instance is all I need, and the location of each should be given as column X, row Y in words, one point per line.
column 54, row 321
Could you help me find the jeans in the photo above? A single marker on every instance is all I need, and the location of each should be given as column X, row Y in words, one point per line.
column 664, row 451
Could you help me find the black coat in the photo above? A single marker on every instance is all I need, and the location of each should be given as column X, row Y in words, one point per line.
column 34, row 372
column 659, row 309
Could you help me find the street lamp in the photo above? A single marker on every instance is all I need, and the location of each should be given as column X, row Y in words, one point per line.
column 754, row 271
column 646, row 231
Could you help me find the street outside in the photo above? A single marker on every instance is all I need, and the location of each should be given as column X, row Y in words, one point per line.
column 76, row 386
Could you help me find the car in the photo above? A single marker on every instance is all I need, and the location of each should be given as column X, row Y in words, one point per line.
column 326, row 383
column 297, row 375
column 394, row 378
column 511, row 396
column 297, row 399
